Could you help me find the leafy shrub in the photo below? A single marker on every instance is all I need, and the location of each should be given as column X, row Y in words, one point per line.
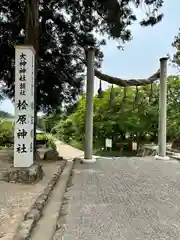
column 3, row 147
column 46, row 139
column 64, row 130
column 7, row 136
column 6, row 133
column 51, row 144
column 41, row 137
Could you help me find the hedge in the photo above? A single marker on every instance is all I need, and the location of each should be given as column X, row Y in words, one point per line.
column 7, row 136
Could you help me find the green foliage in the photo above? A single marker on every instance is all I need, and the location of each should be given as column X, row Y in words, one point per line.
column 64, row 130
column 40, row 137
column 51, row 144
column 132, row 117
column 173, row 105
column 7, row 136
column 4, row 147
column 5, row 115
column 41, row 123
column 6, row 133
column 47, row 139
column 176, row 45
column 51, row 120
column 66, row 28
column 77, row 144
column 116, row 153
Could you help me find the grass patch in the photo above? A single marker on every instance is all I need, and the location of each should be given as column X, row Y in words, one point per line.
column 4, row 147
column 76, row 144
column 104, row 153
column 113, row 153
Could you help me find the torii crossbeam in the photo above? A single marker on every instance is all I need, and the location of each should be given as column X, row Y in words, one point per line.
column 127, row 83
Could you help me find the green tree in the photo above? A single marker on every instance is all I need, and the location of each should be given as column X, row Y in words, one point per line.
column 117, row 119
column 132, row 114
column 4, row 115
column 173, row 106
column 176, row 45
column 64, row 130
column 6, row 133
column 64, row 30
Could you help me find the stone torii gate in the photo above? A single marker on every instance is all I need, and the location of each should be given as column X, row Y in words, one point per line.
column 91, row 72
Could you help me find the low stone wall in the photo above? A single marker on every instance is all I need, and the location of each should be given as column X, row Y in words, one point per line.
column 152, row 150
column 8, row 154
column 176, row 143
column 29, row 175
column 147, row 150
column 35, row 213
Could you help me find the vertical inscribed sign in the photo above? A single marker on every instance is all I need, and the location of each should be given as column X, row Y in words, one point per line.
column 24, row 106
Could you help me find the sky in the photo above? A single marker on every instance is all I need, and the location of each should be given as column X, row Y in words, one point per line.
column 140, row 57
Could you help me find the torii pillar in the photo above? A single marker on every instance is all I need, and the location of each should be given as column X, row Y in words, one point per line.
column 162, row 111
column 88, row 148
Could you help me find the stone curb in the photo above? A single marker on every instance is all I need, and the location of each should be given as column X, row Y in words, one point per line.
column 145, row 151
column 61, row 224
column 35, row 213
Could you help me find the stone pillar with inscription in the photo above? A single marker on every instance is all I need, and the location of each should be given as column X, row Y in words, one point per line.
column 24, row 106
column 24, row 169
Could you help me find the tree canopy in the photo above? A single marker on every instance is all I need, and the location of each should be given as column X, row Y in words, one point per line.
column 176, row 45
column 64, row 29
column 133, row 115
column 5, row 115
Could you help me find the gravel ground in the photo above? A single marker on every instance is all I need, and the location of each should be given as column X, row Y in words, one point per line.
column 124, row 199
column 16, row 199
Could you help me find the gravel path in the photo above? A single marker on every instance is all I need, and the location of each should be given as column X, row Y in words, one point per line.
column 16, row 199
column 125, row 199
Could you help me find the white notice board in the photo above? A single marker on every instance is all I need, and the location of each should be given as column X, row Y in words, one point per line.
column 108, row 143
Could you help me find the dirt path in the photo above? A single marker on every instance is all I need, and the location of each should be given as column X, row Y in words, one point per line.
column 68, row 152
column 16, row 199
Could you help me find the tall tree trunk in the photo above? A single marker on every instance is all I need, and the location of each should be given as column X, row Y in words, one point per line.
column 32, row 38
